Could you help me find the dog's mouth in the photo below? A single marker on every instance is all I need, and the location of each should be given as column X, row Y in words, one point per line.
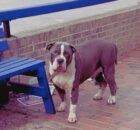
column 60, row 69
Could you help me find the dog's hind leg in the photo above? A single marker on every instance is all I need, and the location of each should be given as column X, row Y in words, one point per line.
column 102, row 85
column 109, row 72
column 62, row 105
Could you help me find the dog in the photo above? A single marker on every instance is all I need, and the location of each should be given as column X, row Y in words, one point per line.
column 69, row 66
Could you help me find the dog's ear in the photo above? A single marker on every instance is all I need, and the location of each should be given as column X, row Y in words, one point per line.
column 73, row 48
column 49, row 46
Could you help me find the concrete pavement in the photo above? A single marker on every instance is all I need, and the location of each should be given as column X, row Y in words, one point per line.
column 92, row 115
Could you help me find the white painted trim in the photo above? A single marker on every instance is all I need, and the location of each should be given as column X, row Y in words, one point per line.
column 70, row 17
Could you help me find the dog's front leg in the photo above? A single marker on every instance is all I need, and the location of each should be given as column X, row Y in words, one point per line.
column 72, row 98
column 72, row 118
column 62, row 105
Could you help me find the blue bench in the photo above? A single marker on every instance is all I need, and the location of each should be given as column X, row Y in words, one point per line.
column 25, row 66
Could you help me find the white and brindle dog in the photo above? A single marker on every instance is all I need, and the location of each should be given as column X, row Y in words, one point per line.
column 70, row 66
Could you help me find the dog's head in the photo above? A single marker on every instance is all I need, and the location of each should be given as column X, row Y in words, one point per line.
column 60, row 54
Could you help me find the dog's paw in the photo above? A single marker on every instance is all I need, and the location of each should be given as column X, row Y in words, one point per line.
column 111, row 100
column 72, row 117
column 61, row 107
column 98, row 95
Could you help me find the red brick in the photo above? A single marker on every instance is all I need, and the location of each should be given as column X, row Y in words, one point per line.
column 77, row 28
column 86, row 33
column 27, row 49
column 34, row 54
column 124, row 128
column 105, row 20
column 128, row 14
column 102, row 34
column 39, row 46
column 76, row 36
column 99, row 29
column 62, row 31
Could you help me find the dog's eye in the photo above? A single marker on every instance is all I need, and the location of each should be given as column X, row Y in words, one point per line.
column 66, row 54
column 56, row 52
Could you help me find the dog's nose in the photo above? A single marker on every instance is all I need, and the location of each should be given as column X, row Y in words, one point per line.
column 60, row 61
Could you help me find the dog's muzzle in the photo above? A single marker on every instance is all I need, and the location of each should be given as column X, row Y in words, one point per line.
column 61, row 65
column 60, row 61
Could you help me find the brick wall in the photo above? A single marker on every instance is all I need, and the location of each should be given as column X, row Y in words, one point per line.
column 122, row 28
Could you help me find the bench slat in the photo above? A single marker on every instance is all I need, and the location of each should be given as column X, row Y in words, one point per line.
column 8, row 63
column 20, row 69
column 16, row 63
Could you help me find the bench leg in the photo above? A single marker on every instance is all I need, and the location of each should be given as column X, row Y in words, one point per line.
column 6, row 25
column 48, row 102
column 4, row 93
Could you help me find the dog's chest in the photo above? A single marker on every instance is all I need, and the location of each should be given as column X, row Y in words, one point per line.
column 64, row 80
